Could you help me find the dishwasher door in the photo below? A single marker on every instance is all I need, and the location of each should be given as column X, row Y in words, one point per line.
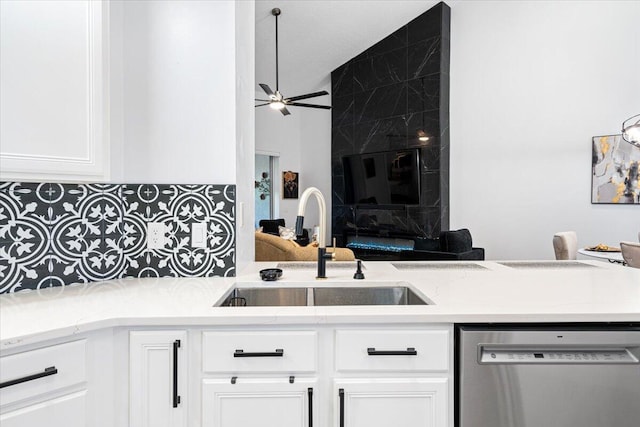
column 548, row 377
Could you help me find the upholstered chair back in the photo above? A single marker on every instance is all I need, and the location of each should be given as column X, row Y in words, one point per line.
column 631, row 253
column 565, row 245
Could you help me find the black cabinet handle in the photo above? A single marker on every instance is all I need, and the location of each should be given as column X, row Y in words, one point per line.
column 51, row 370
column 278, row 353
column 410, row 351
column 310, row 398
column 176, row 397
column 341, row 395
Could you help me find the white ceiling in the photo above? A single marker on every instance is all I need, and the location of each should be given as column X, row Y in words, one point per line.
column 317, row 36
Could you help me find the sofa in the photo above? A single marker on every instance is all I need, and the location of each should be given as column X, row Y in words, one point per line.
column 271, row 226
column 452, row 245
column 274, row 248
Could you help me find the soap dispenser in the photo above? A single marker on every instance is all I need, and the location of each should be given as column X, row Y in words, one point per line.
column 358, row 275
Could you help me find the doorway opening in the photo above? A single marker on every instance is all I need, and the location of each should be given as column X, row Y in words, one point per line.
column 266, row 193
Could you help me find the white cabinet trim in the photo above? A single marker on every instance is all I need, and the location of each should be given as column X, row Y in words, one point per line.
column 93, row 163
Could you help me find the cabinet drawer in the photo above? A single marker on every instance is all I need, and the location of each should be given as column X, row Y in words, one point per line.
column 389, row 350
column 269, row 351
column 35, row 372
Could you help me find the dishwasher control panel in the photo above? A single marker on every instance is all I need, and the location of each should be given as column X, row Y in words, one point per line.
column 494, row 355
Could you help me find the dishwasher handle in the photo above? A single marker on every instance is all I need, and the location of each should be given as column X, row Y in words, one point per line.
column 508, row 354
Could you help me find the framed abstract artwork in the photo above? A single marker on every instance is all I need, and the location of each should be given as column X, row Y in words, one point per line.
column 615, row 167
column 290, row 185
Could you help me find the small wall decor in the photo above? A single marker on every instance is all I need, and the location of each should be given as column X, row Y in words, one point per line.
column 614, row 171
column 263, row 187
column 289, row 185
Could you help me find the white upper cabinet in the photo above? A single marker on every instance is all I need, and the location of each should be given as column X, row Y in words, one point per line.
column 54, row 90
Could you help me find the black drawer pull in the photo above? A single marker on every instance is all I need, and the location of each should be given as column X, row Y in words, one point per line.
column 341, row 397
column 310, row 398
column 410, row 351
column 278, row 353
column 176, row 396
column 52, row 370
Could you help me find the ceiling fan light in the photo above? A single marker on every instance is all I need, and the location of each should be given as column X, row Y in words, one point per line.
column 277, row 105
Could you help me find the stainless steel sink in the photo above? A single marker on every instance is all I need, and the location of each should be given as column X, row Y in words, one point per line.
column 268, row 297
column 321, row 296
column 397, row 295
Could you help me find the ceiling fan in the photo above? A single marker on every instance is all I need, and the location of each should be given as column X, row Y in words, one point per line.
column 276, row 100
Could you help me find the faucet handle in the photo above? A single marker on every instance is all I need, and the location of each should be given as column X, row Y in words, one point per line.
column 334, row 246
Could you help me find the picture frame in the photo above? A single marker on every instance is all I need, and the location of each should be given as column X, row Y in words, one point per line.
column 615, row 171
column 290, row 185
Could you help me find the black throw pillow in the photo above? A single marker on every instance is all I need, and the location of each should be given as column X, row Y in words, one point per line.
column 455, row 241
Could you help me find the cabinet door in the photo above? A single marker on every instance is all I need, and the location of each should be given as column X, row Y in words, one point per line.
column 157, row 378
column 54, row 97
column 412, row 402
column 258, row 402
column 65, row 411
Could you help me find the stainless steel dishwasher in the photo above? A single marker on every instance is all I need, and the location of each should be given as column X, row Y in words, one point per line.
column 510, row 376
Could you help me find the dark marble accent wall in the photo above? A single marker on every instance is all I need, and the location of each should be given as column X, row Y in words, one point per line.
column 59, row 234
column 381, row 99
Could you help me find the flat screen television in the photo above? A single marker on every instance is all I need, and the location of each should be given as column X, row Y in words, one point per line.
column 386, row 178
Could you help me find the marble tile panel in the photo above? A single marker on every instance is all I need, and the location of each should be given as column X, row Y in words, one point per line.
column 430, row 189
column 428, row 122
column 342, row 80
column 380, row 70
column 424, row 58
column 381, row 135
column 424, row 221
column 423, row 95
column 342, row 111
column 379, row 103
column 428, row 24
column 342, row 140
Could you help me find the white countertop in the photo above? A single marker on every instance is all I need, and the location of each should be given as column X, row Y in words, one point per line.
column 573, row 291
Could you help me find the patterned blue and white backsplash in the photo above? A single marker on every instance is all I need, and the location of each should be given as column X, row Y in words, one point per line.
column 58, row 234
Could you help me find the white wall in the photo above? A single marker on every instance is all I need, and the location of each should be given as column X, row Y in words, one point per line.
column 303, row 142
column 182, row 84
column 245, row 131
column 178, row 91
column 531, row 83
column 282, row 136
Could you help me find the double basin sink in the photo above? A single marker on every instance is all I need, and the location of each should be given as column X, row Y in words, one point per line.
column 246, row 295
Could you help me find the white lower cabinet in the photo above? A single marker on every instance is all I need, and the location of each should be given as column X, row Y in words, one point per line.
column 46, row 386
column 258, row 402
column 420, row 402
column 327, row 377
column 67, row 411
column 158, row 378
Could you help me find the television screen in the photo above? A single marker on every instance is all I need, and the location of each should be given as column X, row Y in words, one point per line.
column 387, row 178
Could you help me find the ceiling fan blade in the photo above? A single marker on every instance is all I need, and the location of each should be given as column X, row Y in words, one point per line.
column 262, row 105
column 263, row 100
column 267, row 89
column 308, row 95
column 300, row 104
column 284, row 111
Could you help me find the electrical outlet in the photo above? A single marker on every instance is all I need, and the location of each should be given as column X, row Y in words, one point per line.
column 155, row 235
column 199, row 235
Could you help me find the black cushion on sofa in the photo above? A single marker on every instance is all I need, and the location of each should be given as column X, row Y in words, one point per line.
column 455, row 241
column 270, row 226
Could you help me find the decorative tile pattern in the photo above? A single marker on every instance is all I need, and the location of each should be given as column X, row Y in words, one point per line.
column 57, row 234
